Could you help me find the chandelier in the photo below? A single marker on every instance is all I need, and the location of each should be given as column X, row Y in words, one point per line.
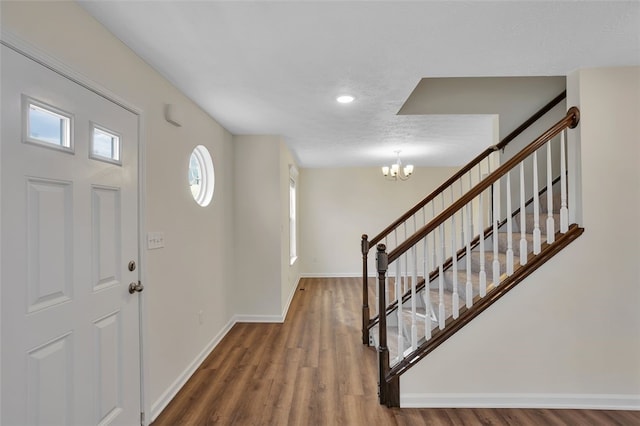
column 397, row 171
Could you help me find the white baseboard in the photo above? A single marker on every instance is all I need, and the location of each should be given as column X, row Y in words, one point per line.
column 257, row 318
column 333, row 275
column 525, row 400
column 171, row 392
column 270, row 318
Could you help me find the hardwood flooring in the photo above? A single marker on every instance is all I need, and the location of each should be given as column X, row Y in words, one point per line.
column 314, row 370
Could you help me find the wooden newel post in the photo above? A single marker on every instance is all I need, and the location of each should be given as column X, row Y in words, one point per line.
column 364, row 247
column 575, row 113
column 382, row 264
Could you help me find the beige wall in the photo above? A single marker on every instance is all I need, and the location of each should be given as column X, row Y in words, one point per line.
column 257, row 231
column 568, row 335
column 514, row 99
column 264, row 278
column 337, row 206
column 289, row 274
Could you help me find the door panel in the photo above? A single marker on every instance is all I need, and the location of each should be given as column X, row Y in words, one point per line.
column 106, row 229
column 49, row 243
column 69, row 220
column 50, row 382
column 108, row 369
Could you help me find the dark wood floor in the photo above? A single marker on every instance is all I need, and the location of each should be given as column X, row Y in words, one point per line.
column 313, row 370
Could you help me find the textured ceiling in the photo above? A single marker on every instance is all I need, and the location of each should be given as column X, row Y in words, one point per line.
column 276, row 67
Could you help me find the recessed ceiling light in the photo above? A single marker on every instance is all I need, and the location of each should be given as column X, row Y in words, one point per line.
column 345, row 99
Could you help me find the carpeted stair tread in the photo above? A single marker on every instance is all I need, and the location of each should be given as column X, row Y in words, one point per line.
column 557, row 199
column 462, row 283
column 488, row 261
column 530, row 219
column 515, row 244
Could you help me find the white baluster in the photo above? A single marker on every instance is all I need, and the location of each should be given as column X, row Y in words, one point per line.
column 427, row 269
column 399, row 310
column 395, row 237
column 523, row 219
column 469, row 287
column 462, row 222
column 443, row 242
column 495, row 160
column 427, row 314
column 509, row 228
column 441, row 317
column 496, row 222
column 550, row 222
column 470, row 211
column 375, row 308
column 537, row 243
column 433, row 239
column 405, row 286
column 454, row 264
column 427, row 295
column 425, row 262
column 482, row 275
column 414, row 280
column 415, row 229
column 564, row 211
column 489, row 161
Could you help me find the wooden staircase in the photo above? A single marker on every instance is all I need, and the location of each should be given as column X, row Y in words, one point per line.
column 482, row 235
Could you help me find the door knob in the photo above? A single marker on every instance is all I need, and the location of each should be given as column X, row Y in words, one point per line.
column 133, row 287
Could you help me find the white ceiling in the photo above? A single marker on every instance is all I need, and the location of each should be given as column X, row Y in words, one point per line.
column 276, row 68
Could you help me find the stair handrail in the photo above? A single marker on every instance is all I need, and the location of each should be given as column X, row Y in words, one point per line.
column 366, row 244
column 570, row 121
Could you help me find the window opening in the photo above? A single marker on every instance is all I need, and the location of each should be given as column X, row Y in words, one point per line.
column 47, row 126
column 201, row 175
column 293, row 229
column 105, row 145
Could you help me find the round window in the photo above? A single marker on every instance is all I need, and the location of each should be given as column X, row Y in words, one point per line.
column 201, row 176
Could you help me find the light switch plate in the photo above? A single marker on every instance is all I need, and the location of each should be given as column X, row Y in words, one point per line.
column 155, row 240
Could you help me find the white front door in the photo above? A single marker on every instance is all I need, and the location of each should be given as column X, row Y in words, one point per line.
column 69, row 221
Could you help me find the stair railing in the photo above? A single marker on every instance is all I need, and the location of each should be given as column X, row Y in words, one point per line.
column 427, row 209
column 471, row 288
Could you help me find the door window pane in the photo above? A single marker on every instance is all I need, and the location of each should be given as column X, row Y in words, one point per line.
column 105, row 145
column 47, row 125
